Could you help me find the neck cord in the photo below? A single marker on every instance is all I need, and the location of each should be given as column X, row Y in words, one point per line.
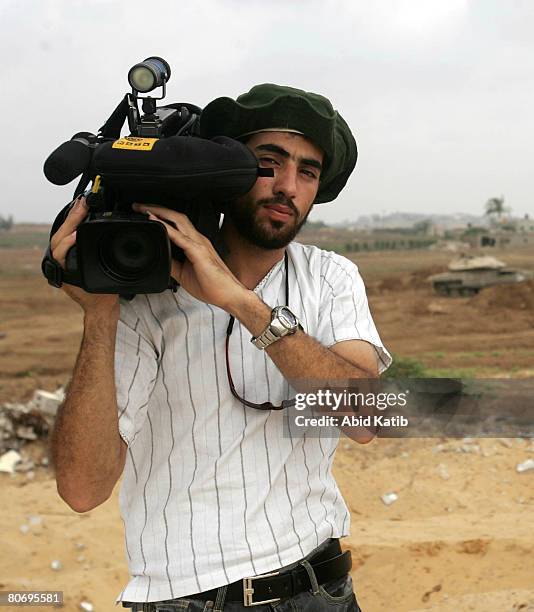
column 264, row 405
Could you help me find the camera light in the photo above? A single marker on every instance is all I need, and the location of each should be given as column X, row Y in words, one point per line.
column 142, row 79
column 147, row 75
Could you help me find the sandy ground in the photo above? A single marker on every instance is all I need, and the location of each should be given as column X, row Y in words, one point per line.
column 461, row 543
column 458, row 538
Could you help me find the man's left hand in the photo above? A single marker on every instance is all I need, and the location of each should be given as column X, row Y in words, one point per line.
column 203, row 274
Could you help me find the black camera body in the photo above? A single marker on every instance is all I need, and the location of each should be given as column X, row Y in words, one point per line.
column 162, row 162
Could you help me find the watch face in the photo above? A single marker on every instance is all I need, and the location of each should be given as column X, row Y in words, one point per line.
column 287, row 318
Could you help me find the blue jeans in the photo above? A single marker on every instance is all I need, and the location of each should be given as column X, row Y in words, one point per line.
column 334, row 596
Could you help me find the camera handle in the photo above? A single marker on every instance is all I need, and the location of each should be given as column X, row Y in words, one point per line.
column 55, row 274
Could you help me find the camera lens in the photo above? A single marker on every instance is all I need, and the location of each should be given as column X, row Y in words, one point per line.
column 127, row 255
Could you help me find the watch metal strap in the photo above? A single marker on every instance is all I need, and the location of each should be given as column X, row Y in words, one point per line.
column 265, row 339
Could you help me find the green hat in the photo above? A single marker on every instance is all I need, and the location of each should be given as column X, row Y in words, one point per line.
column 270, row 106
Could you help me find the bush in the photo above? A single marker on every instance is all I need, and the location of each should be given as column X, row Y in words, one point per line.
column 405, row 367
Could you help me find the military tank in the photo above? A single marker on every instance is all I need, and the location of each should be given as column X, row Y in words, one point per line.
column 468, row 274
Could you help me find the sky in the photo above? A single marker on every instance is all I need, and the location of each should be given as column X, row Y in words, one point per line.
column 439, row 94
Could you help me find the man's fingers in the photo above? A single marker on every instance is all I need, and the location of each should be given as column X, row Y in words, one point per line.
column 178, row 237
column 76, row 215
column 181, row 221
column 180, row 240
column 60, row 252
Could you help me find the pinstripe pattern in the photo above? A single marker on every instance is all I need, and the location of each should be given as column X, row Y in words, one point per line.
column 268, row 389
column 353, row 296
column 167, row 400
column 332, row 327
column 326, row 485
column 134, row 375
column 133, row 464
column 243, row 479
column 126, row 543
column 213, row 491
column 145, row 505
column 193, row 445
column 309, row 488
column 292, row 514
column 215, row 369
column 294, row 283
column 334, row 504
column 384, row 361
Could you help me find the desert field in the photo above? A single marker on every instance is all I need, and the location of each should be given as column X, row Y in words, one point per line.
column 459, row 537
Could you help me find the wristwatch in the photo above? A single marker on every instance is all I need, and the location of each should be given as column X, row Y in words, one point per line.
column 283, row 323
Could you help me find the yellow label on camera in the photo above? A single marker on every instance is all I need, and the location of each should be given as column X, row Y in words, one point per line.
column 133, row 143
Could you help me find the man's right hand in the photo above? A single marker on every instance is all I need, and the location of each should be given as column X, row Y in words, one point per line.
column 65, row 238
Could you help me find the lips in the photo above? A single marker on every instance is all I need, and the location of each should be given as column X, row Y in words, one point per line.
column 280, row 209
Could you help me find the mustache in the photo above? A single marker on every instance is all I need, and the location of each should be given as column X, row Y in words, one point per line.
column 279, row 199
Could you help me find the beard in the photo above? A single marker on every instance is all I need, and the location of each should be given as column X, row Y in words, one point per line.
column 269, row 233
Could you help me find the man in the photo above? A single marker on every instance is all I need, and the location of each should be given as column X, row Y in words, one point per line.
column 214, row 492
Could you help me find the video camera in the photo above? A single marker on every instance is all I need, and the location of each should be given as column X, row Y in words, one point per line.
column 164, row 162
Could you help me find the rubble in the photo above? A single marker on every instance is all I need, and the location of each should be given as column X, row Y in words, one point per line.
column 25, row 433
column 47, row 403
column 9, row 460
column 389, row 498
column 505, row 442
column 22, row 423
column 34, row 520
column 444, row 448
column 468, row 445
column 25, row 465
column 525, row 466
column 443, row 471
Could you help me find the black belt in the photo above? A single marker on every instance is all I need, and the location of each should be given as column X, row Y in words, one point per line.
column 327, row 565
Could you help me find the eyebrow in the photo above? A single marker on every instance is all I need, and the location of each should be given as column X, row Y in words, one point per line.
column 276, row 149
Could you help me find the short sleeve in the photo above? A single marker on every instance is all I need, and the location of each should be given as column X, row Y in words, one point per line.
column 136, row 369
column 344, row 311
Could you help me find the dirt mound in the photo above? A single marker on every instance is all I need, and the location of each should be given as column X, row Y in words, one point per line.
column 414, row 280
column 517, row 297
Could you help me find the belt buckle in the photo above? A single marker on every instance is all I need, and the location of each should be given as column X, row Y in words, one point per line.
column 248, row 591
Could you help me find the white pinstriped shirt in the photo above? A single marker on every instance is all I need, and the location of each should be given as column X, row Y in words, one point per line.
column 213, row 491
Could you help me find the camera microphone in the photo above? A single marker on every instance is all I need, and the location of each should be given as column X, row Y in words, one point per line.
column 70, row 159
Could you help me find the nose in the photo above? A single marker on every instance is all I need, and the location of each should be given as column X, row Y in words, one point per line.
column 285, row 181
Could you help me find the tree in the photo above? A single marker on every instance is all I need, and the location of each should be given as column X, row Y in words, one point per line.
column 495, row 206
column 6, row 223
